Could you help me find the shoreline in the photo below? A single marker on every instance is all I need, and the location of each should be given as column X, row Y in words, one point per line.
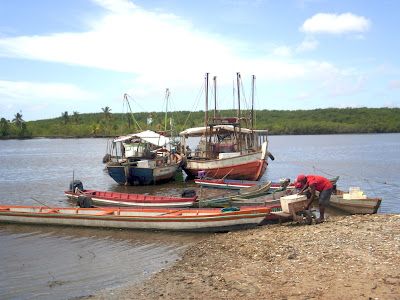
column 346, row 257
column 52, row 137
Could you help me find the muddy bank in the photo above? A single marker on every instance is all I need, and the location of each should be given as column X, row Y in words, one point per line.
column 351, row 257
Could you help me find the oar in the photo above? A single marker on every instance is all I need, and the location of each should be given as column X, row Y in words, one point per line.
column 40, row 202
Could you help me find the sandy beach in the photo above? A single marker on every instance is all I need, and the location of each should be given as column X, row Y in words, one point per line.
column 347, row 257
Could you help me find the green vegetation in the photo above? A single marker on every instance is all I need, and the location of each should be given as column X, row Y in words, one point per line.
column 317, row 121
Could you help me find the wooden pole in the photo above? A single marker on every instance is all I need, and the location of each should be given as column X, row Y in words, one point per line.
column 206, row 91
column 252, row 102
column 215, row 96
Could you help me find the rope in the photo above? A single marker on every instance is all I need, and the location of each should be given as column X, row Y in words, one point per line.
column 367, row 180
column 196, row 104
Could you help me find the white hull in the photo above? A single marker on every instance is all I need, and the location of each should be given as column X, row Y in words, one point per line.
column 356, row 206
column 175, row 220
column 224, row 162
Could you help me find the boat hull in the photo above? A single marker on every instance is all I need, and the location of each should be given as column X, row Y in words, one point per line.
column 244, row 167
column 104, row 198
column 356, row 206
column 150, row 219
column 132, row 175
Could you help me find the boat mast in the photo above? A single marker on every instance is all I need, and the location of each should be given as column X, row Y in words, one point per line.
column 166, row 109
column 238, row 93
column 206, row 114
column 252, row 101
column 207, row 145
column 238, row 137
column 215, row 97
column 130, row 109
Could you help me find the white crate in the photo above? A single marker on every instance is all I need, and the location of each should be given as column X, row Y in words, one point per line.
column 228, row 155
column 285, row 200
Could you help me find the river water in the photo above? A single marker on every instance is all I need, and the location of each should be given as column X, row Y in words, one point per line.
column 45, row 262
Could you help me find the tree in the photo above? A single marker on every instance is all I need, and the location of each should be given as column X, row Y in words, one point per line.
column 18, row 121
column 95, row 129
column 4, row 127
column 76, row 117
column 107, row 112
column 65, row 117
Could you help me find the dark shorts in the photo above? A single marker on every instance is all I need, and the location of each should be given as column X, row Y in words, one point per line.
column 324, row 197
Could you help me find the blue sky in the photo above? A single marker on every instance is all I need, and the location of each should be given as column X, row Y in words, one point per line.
column 83, row 55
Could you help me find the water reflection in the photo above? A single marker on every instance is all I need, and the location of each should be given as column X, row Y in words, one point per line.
column 54, row 262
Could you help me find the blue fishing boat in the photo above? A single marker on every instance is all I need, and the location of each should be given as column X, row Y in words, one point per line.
column 142, row 158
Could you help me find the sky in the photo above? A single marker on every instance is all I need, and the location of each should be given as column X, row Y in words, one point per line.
column 83, row 55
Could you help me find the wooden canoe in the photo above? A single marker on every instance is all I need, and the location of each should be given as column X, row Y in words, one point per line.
column 355, row 206
column 271, row 197
column 189, row 219
column 234, row 184
column 105, row 198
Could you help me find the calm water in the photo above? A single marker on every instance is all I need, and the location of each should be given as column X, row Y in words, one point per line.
column 61, row 263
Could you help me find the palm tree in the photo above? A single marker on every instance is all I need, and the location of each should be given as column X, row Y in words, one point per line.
column 76, row 117
column 18, row 120
column 65, row 117
column 107, row 112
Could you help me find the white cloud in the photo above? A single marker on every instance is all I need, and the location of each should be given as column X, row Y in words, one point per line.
column 394, row 84
column 336, row 23
column 157, row 50
column 283, row 51
column 28, row 92
column 307, row 44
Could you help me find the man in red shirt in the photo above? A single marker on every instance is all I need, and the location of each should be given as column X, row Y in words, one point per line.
column 316, row 183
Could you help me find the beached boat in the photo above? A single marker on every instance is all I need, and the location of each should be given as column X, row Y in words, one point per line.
column 105, row 198
column 355, row 203
column 255, row 190
column 271, row 197
column 227, row 149
column 142, row 158
column 233, row 184
column 213, row 220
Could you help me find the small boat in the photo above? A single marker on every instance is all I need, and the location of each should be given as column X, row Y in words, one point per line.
column 189, row 219
column 355, row 203
column 255, row 190
column 142, row 158
column 233, row 184
column 105, row 198
column 230, row 184
column 271, row 197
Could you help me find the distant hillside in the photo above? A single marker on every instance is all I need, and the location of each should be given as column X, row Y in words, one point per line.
column 317, row 121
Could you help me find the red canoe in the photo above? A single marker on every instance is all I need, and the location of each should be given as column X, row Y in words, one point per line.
column 133, row 200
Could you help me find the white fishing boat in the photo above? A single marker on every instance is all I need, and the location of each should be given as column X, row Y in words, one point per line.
column 227, row 149
column 213, row 220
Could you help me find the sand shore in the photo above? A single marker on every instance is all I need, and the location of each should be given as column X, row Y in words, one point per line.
column 347, row 257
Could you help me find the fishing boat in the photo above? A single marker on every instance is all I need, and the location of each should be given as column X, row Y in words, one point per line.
column 106, row 198
column 355, row 202
column 142, row 158
column 233, row 184
column 227, row 149
column 213, row 220
column 270, row 197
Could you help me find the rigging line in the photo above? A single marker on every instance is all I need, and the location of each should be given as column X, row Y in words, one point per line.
column 244, row 94
column 202, row 88
column 130, row 109
column 348, row 175
column 255, row 111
